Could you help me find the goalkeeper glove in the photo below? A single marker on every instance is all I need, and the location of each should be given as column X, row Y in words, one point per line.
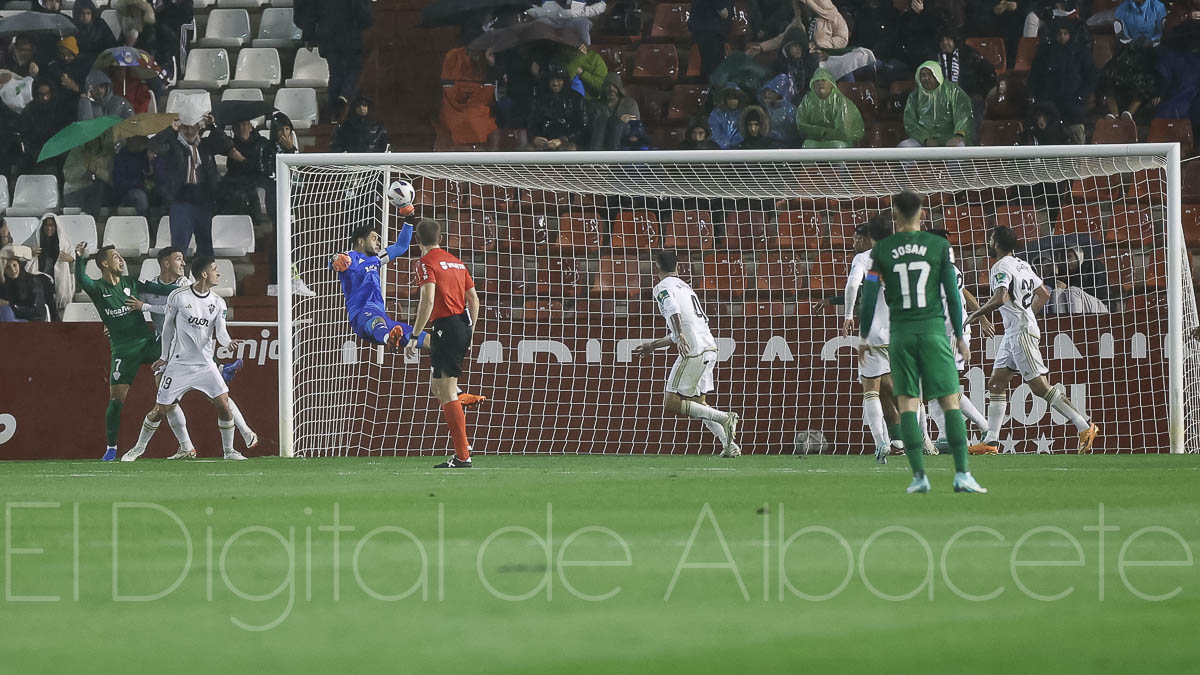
column 340, row 262
column 406, row 210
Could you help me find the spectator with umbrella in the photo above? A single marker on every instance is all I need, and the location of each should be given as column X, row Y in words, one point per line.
column 361, row 132
column 19, row 57
column 559, row 120
column 88, row 172
column 137, row 166
column 100, row 101
column 94, row 35
column 336, row 27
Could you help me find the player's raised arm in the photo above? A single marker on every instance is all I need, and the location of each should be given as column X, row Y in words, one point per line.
column 400, row 246
column 85, row 282
column 155, row 287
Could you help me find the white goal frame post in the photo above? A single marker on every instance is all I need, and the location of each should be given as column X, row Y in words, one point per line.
column 388, row 162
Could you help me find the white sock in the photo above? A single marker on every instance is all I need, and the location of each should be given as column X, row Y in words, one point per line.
column 939, row 416
column 997, row 405
column 226, row 427
column 239, row 420
column 698, row 411
column 178, row 423
column 147, row 432
column 928, row 443
column 1057, row 398
column 873, row 416
column 972, row 413
column 718, row 431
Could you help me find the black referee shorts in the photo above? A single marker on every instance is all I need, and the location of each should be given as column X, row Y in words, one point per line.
column 450, row 338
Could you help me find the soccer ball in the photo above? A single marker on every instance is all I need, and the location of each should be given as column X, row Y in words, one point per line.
column 810, row 443
column 401, row 193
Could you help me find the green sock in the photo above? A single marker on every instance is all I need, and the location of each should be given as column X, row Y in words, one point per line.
column 112, row 421
column 956, row 433
column 894, row 432
column 913, row 447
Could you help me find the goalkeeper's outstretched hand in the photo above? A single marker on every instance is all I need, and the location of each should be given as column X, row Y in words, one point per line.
column 340, row 262
column 406, row 210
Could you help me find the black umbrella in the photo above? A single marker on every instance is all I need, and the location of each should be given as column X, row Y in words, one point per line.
column 36, row 23
column 450, row 12
column 523, row 33
column 229, row 112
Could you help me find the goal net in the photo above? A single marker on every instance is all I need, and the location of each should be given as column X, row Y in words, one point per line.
column 561, row 245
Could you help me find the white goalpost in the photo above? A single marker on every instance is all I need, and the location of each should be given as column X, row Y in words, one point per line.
column 560, row 247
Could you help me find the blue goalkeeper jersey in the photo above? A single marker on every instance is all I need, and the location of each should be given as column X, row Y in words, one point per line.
column 361, row 284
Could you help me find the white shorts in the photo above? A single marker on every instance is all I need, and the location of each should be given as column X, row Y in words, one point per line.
column 178, row 379
column 874, row 362
column 692, row 376
column 1022, row 353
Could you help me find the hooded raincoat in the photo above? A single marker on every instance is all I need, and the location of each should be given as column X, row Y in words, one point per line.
column 109, row 104
column 782, row 115
column 829, row 122
column 941, row 113
column 724, row 123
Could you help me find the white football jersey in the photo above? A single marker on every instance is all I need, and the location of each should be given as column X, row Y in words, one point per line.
column 193, row 322
column 880, row 334
column 1021, row 281
column 674, row 296
column 962, row 302
column 157, row 304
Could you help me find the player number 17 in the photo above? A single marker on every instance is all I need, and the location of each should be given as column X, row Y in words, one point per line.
column 902, row 270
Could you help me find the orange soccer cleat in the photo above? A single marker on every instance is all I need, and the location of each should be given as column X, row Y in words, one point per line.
column 340, row 262
column 1086, row 438
column 396, row 340
column 470, row 400
column 984, row 449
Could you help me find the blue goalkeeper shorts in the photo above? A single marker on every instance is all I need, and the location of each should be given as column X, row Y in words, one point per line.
column 367, row 326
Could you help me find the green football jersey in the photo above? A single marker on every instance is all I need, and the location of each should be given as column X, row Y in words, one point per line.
column 915, row 270
column 126, row 325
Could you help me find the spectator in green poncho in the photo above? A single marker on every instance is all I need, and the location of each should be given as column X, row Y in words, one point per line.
column 937, row 112
column 825, row 118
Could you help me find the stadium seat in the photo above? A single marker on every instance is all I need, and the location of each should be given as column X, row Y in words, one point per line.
column 543, row 310
column 653, row 103
column 298, row 104
column 618, row 278
column 109, row 16
column 162, row 238
column 693, row 63
column 618, row 58
column 1000, row 132
column 724, row 276
column 78, row 229
column 232, row 236
column 249, row 4
column 1191, row 182
column 827, row 274
column 526, row 232
column 1009, row 100
column 764, row 309
column 1023, row 221
column 746, row 231
column 473, row 230
column 670, row 23
column 3, row 194
column 656, row 64
column 1191, row 224
column 967, row 225
column 667, row 138
column 21, row 228
column 502, row 278
column 739, row 24
column 558, row 277
column 1098, row 188
column 1026, row 51
column 227, row 284
column 228, row 28
column 885, row 134
column 310, row 70
column 992, row 49
column 203, row 4
column 579, row 233
column 34, row 195
column 1079, row 218
column 800, row 230
column 178, row 98
column 277, row 29
column 130, row 234
column 258, row 68
column 507, row 140
column 1104, row 47
column 778, row 274
column 689, row 230
column 80, row 312
column 635, row 229
column 435, row 196
column 864, row 96
column 687, row 101
column 149, row 270
column 1120, row 130
column 842, row 223
column 1163, row 130
column 1134, row 225
column 206, row 69
column 897, row 98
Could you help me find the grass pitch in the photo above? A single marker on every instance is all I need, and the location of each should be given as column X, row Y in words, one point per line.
column 631, row 564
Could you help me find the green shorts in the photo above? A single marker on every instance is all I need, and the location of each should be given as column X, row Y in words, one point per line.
column 127, row 360
column 923, row 365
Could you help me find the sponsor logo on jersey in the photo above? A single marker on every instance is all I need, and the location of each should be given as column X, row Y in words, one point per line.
column 197, row 321
column 663, row 295
column 1001, row 279
column 447, row 265
column 909, row 249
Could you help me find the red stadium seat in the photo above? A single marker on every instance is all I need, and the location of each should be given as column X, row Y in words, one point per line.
column 1000, row 132
column 690, row 230
column 507, row 140
column 1148, row 186
column 1022, row 220
column 1120, row 130
column 486, row 197
column 1191, row 182
column 897, row 98
column 842, row 224
column 472, row 230
column 1099, row 188
column 653, row 103
column 1134, row 225
column 667, row 138
column 765, row 309
column 778, row 274
column 543, row 201
column 967, row 225
column 435, row 195
column 1104, row 47
column 544, row 310
column 527, row 233
column 1081, row 218
column 828, row 273
column 992, row 49
column 802, row 230
column 1163, row 130
column 503, row 276
column 635, row 229
column 618, row 58
column 656, row 64
column 558, row 277
column 746, row 230
column 670, row 23
column 687, row 101
column 1191, row 224
column 864, row 96
column 724, row 276
column 579, row 233
column 885, row 134
column 1010, row 100
column 1026, row 51
column 618, row 278
column 693, row 63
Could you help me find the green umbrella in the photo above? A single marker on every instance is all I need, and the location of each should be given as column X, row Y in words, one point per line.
column 76, row 134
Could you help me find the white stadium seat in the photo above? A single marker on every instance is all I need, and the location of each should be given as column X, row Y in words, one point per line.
column 281, row 3
column 3, row 194
column 310, row 70
column 34, row 195
column 233, row 236
column 258, row 68
column 77, row 229
column 80, row 312
column 130, row 234
column 177, row 99
column 149, row 270
column 109, row 16
column 163, row 238
column 203, row 4
column 242, row 94
column 227, row 28
column 249, row 4
column 21, row 229
column 298, row 104
column 277, row 29
column 206, row 69
column 227, row 286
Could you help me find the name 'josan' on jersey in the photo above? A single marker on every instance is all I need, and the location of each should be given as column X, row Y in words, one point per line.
column 859, row 267
column 674, row 296
column 193, row 322
column 1022, row 282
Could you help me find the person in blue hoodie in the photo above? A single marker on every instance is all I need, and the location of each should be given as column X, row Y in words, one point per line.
column 724, row 120
column 780, row 111
column 1141, row 20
